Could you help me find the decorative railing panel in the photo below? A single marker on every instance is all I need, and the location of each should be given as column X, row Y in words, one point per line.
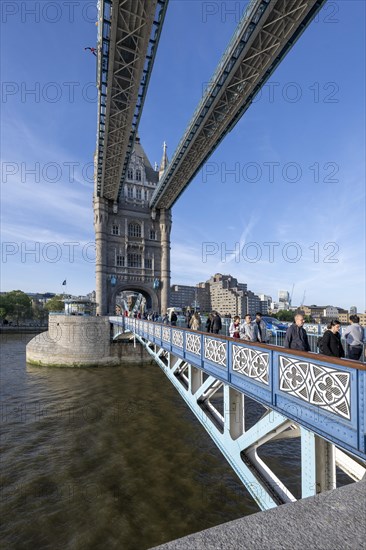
column 193, row 343
column 215, row 350
column 323, row 395
column 177, row 338
column 324, row 387
column 251, row 363
column 166, row 334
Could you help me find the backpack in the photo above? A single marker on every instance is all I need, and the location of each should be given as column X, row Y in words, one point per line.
column 319, row 344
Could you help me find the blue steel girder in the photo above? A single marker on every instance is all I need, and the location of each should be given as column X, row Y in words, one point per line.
column 322, row 394
column 129, row 32
column 265, row 34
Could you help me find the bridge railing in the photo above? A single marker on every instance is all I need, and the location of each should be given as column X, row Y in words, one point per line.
column 327, row 395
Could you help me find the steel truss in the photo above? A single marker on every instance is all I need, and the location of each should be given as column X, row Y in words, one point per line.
column 227, row 429
column 267, row 31
column 129, row 32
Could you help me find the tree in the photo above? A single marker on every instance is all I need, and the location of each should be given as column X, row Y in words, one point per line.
column 285, row 315
column 17, row 304
column 55, row 304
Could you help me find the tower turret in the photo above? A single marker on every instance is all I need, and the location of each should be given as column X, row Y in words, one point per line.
column 164, row 161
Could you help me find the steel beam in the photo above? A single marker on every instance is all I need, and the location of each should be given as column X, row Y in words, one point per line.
column 267, row 31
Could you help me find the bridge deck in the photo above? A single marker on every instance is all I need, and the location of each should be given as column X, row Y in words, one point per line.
column 323, row 394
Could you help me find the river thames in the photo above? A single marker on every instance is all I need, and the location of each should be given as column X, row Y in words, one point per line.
column 110, row 458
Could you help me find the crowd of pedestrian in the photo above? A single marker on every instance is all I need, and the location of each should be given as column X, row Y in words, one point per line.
column 296, row 337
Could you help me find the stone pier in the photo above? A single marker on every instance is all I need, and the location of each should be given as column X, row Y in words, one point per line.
column 75, row 341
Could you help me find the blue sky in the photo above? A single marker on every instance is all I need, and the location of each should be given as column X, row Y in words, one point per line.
column 291, row 172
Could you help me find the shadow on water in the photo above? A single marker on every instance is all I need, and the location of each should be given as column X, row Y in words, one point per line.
column 105, row 458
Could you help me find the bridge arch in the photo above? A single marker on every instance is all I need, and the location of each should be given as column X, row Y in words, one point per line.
column 152, row 299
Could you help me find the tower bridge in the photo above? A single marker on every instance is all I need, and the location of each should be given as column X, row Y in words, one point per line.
column 319, row 401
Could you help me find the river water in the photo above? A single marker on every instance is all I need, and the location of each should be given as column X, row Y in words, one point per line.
column 111, row 458
column 105, row 458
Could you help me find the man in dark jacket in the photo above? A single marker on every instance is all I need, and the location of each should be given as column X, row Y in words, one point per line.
column 216, row 324
column 173, row 319
column 296, row 337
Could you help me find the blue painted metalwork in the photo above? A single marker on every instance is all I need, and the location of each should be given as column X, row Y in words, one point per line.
column 324, row 395
column 105, row 54
column 252, row 21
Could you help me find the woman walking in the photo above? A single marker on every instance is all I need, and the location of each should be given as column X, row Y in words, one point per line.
column 331, row 341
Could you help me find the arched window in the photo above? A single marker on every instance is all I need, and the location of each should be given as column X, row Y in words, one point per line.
column 138, row 175
column 130, row 174
column 134, row 230
column 115, row 230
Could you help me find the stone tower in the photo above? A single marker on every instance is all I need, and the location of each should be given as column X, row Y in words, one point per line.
column 132, row 241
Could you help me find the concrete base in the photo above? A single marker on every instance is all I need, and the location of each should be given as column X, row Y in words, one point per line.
column 334, row 520
column 73, row 341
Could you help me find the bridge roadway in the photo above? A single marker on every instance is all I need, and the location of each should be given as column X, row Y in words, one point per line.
column 129, row 32
column 266, row 33
column 321, row 400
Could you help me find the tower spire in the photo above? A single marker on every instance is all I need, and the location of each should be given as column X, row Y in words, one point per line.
column 164, row 161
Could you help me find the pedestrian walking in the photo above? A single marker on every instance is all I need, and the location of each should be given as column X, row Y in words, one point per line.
column 354, row 335
column 262, row 329
column 296, row 337
column 235, row 327
column 195, row 323
column 331, row 341
column 216, row 324
column 173, row 319
column 249, row 329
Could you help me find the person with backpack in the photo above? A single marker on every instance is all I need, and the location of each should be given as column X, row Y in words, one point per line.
column 331, row 344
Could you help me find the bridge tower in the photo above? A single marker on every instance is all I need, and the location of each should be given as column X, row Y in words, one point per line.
column 133, row 241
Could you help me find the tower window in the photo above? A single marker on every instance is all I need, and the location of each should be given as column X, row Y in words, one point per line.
column 130, row 174
column 138, row 194
column 134, row 230
column 120, row 260
column 138, row 175
column 148, row 263
column 115, row 230
column 134, row 260
column 153, row 234
column 130, row 192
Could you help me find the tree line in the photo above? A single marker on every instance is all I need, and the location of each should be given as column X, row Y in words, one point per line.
column 18, row 306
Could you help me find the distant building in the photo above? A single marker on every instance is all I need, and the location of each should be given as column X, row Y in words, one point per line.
column 203, row 296
column 353, row 310
column 182, row 296
column 284, row 297
column 323, row 314
column 229, row 297
column 265, row 303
